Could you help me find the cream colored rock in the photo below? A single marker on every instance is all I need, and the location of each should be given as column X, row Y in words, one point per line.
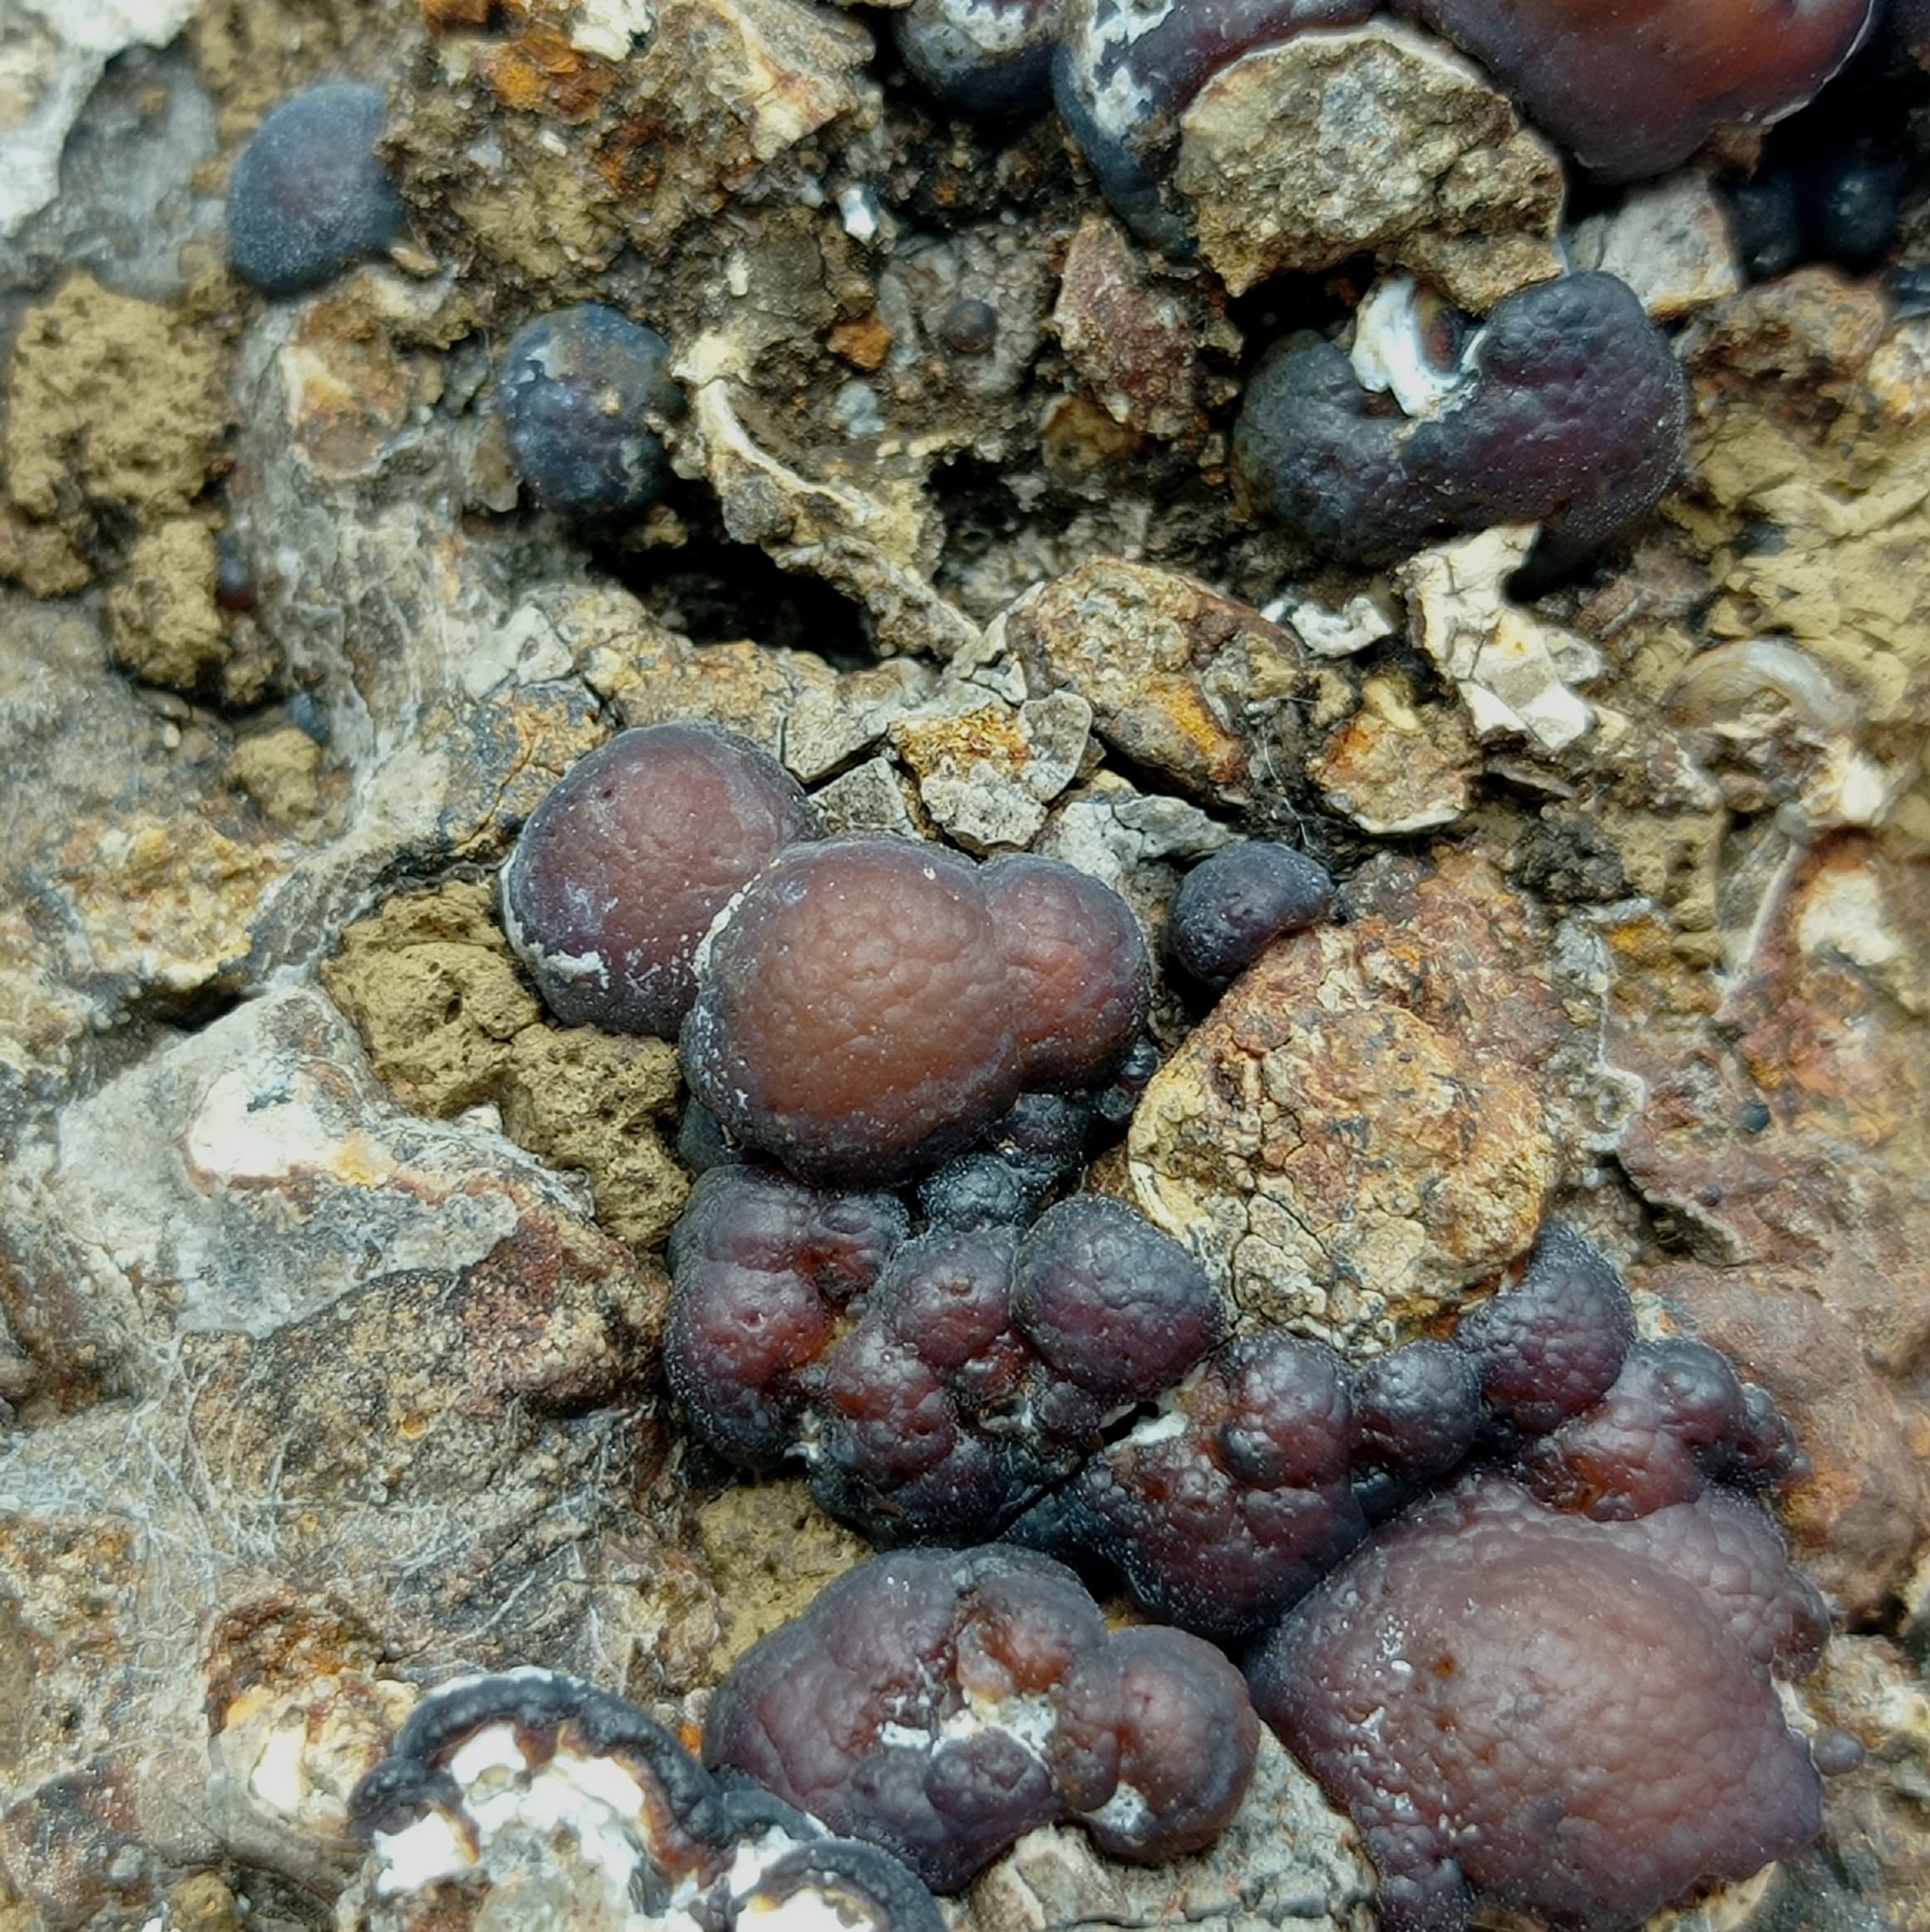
column 1374, row 140
column 1669, row 241
column 1515, row 672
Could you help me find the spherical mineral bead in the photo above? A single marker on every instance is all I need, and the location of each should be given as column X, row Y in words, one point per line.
column 855, row 1017
column 1114, row 1305
column 1076, row 962
column 620, row 871
column 309, row 198
column 1548, row 1347
column 1231, row 907
column 578, row 393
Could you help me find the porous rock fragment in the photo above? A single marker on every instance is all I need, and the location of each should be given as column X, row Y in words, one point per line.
column 433, row 988
column 1134, row 341
column 167, row 629
column 113, row 413
column 1367, row 1123
column 1377, row 139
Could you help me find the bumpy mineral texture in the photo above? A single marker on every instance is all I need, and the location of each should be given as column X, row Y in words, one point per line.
column 1371, row 1119
column 328, row 1266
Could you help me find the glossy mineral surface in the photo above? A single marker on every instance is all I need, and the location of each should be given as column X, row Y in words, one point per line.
column 934, row 1388
column 1568, row 410
column 1535, row 1711
column 874, row 1004
column 619, row 872
column 1632, row 90
column 941, row 1705
column 578, row 393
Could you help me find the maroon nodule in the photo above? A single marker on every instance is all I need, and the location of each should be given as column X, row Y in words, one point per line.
column 621, row 870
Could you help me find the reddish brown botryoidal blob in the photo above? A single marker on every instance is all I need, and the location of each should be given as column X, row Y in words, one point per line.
column 620, row 871
column 873, row 1005
column 1632, row 88
column 940, row 1705
column 1544, row 1714
column 1081, row 976
column 855, row 1018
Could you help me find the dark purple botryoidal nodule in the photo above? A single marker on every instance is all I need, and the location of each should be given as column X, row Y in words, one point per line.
column 874, row 1004
column 941, row 1704
column 1531, row 1711
column 1567, row 408
column 619, row 872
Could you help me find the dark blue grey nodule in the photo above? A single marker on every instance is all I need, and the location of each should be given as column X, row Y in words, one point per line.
column 309, row 197
column 574, row 393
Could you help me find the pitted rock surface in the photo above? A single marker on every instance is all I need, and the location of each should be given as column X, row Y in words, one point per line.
column 1364, row 1127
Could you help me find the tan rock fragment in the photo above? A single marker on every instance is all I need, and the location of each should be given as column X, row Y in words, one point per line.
column 166, row 627
column 167, row 902
column 1168, row 666
column 112, row 408
column 1365, row 1125
column 770, row 1550
column 279, row 771
column 1378, row 140
column 432, row 989
column 1396, row 766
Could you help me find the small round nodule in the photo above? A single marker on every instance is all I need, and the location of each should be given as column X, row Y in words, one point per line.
column 1231, row 908
column 988, row 56
column 1109, row 1302
column 309, row 196
column 574, row 394
column 856, row 1016
column 620, row 871
column 968, row 325
column 1081, row 978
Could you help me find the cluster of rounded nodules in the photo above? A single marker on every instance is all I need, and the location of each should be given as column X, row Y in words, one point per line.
column 1508, row 1595
column 869, row 1005
column 1511, row 1600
